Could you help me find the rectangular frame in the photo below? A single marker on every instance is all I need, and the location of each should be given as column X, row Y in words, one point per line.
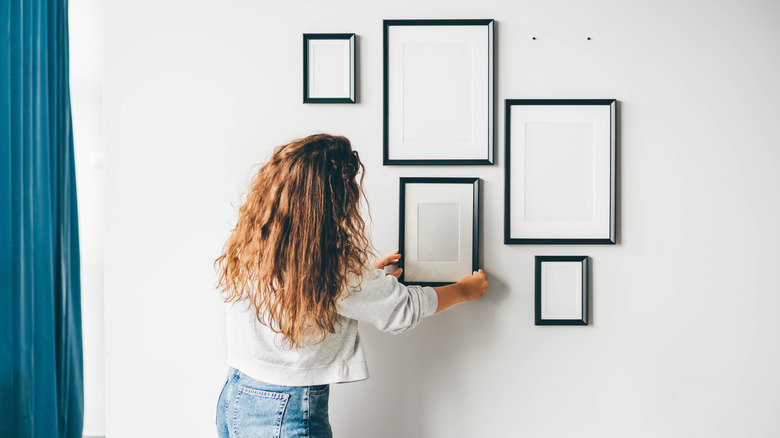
column 560, row 171
column 348, row 77
column 579, row 291
column 438, row 273
column 432, row 69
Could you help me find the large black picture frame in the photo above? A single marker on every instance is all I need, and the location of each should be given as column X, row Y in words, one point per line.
column 604, row 172
column 351, row 38
column 475, row 155
column 408, row 255
column 539, row 290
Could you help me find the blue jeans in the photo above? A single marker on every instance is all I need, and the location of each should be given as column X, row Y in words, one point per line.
column 251, row 408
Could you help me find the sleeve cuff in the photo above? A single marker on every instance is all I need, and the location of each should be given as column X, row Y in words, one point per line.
column 431, row 300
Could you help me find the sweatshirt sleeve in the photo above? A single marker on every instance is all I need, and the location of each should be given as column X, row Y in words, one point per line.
column 387, row 304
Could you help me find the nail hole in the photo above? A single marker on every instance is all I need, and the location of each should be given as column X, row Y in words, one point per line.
column 534, row 38
column 588, row 38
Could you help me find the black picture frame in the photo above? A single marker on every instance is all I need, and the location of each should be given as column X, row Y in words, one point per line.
column 608, row 234
column 490, row 127
column 352, row 70
column 474, row 182
column 539, row 318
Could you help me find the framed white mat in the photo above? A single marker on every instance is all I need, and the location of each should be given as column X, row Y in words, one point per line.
column 438, row 234
column 438, row 92
column 329, row 68
column 561, row 290
column 560, row 172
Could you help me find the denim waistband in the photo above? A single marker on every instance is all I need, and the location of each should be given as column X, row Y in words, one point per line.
column 236, row 373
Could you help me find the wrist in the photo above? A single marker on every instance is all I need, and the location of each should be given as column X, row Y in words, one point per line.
column 463, row 291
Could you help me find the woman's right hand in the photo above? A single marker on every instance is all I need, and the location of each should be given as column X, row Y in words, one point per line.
column 474, row 286
column 467, row 289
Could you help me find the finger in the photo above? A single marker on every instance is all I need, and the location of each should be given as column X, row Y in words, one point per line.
column 390, row 257
column 397, row 273
column 385, row 261
column 388, row 260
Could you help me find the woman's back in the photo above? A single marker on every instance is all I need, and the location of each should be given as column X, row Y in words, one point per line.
column 296, row 279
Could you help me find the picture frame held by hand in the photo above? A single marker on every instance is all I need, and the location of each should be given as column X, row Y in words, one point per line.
column 438, row 234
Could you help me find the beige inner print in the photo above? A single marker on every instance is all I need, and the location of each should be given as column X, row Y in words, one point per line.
column 438, row 232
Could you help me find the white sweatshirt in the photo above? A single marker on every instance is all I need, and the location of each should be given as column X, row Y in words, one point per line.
column 382, row 301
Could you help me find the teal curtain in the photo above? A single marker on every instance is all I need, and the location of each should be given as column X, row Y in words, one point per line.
column 41, row 375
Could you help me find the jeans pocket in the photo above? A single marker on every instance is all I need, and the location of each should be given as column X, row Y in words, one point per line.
column 258, row 413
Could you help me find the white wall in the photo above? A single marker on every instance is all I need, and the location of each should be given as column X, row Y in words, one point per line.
column 685, row 334
column 86, row 92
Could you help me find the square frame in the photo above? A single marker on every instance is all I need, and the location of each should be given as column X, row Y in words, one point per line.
column 438, row 273
column 349, row 76
column 425, row 111
column 543, row 292
column 550, row 153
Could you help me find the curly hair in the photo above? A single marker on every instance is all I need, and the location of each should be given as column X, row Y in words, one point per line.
column 300, row 241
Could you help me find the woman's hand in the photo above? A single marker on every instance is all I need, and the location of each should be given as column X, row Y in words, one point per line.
column 475, row 285
column 390, row 260
column 467, row 289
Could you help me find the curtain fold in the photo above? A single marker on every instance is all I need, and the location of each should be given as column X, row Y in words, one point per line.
column 41, row 374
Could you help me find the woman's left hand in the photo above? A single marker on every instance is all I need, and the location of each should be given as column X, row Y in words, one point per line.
column 390, row 260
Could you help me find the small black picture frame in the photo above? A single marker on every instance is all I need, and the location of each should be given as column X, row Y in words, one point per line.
column 438, row 235
column 562, row 290
column 329, row 68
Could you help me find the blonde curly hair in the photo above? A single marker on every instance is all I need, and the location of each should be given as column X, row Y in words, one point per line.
column 300, row 240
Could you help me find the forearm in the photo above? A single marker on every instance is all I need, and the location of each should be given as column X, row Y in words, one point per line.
column 467, row 289
column 449, row 295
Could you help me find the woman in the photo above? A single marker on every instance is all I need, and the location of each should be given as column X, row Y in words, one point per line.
column 294, row 272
